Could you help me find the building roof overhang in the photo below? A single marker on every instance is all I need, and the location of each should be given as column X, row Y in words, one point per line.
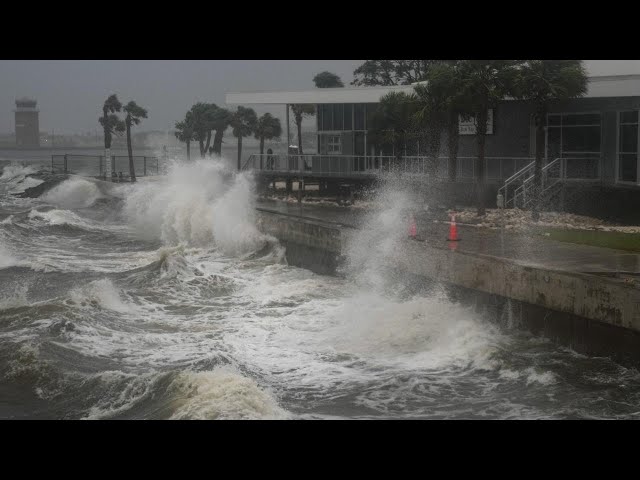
column 599, row 86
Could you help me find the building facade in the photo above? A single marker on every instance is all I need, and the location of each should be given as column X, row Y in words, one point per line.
column 597, row 135
column 27, row 123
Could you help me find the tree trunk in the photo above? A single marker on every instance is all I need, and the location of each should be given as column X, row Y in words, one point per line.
column 239, row 152
column 217, row 142
column 189, row 151
column 537, row 175
column 434, row 150
column 132, row 168
column 201, row 142
column 261, row 150
column 299, row 137
column 107, row 145
column 107, row 133
column 452, row 138
column 481, row 132
column 206, row 148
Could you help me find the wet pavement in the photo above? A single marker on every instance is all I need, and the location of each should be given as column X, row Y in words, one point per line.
column 524, row 249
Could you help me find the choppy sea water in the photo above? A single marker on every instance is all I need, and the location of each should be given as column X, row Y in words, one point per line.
column 163, row 300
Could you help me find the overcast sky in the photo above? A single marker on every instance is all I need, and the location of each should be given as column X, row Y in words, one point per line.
column 70, row 93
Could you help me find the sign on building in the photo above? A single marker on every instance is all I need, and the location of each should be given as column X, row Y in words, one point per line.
column 469, row 127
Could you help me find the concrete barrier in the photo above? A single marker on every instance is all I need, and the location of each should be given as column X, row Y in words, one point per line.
column 590, row 313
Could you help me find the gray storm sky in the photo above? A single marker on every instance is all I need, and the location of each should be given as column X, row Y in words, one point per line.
column 70, row 93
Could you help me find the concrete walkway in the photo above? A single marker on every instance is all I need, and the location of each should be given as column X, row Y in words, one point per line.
column 534, row 250
column 527, row 250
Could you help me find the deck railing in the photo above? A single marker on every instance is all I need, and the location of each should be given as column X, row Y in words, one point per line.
column 497, row 169
column 95, row 165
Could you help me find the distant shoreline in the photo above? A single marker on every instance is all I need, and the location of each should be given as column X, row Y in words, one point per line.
column 77, row 147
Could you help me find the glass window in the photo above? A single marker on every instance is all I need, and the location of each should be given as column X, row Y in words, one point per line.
column 327, row 117
column 629, row 117
column 319, row 117
column 338, row 112
column 628, row 168
column 358, row 111
column 629, row 138
column 554, row 120
column 628, row 146
column 359, row 143
column 553, row 143
column 348, row 113
column 581, row 139
column 371, row 110
column 581, row 119
column 334, row 144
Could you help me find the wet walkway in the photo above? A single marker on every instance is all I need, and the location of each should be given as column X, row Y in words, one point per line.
column 528, row 250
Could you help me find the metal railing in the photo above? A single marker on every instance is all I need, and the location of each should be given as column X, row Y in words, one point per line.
column 96, row 166
column 519, row 189
column 354, row 166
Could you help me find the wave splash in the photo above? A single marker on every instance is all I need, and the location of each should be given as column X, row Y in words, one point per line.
column 199, row 204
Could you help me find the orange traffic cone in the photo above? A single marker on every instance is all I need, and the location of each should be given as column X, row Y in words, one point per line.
column 453, row 230
column 413, row 229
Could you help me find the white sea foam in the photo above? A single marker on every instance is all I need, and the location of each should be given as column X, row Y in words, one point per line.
column 59, row 217
column 28, row 182
column 73, row 193
column 102, row 293
column 222, row 394
column 7, row 259
column 201, row 203
column 15, row 297
column 15, row 172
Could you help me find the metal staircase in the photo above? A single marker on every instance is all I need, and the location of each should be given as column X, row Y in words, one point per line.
column 518, row 190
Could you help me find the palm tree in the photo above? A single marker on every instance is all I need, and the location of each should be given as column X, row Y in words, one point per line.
column 202, row 121
column 431, row 115
column 267, row 128
column 243, row 122
column 299, row 111
column 394, row 121
column 484, row 84
column 111, row 124
column 220, row 121
column 185, row 133
column 442, row 103
column 134, row 115
column 327, row 80
column 543, row 82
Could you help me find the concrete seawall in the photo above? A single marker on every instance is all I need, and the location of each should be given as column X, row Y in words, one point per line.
column 590, row 313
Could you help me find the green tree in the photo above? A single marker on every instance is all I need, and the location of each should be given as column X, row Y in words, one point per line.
column 135, row 114
column 221, row 120
column 299, row 111
column 484, row 84
column 185, row 133
column 243, row 122
column 111, row 123
column 441, row 104
column 327, row 80
column 391, row 72
column 543, row 82
column 203, row 116
column 267, row 128
column 394, row 121
column 431, row 116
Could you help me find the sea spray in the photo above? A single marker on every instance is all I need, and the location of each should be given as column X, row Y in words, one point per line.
column 201, row 203
column 73, row 193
